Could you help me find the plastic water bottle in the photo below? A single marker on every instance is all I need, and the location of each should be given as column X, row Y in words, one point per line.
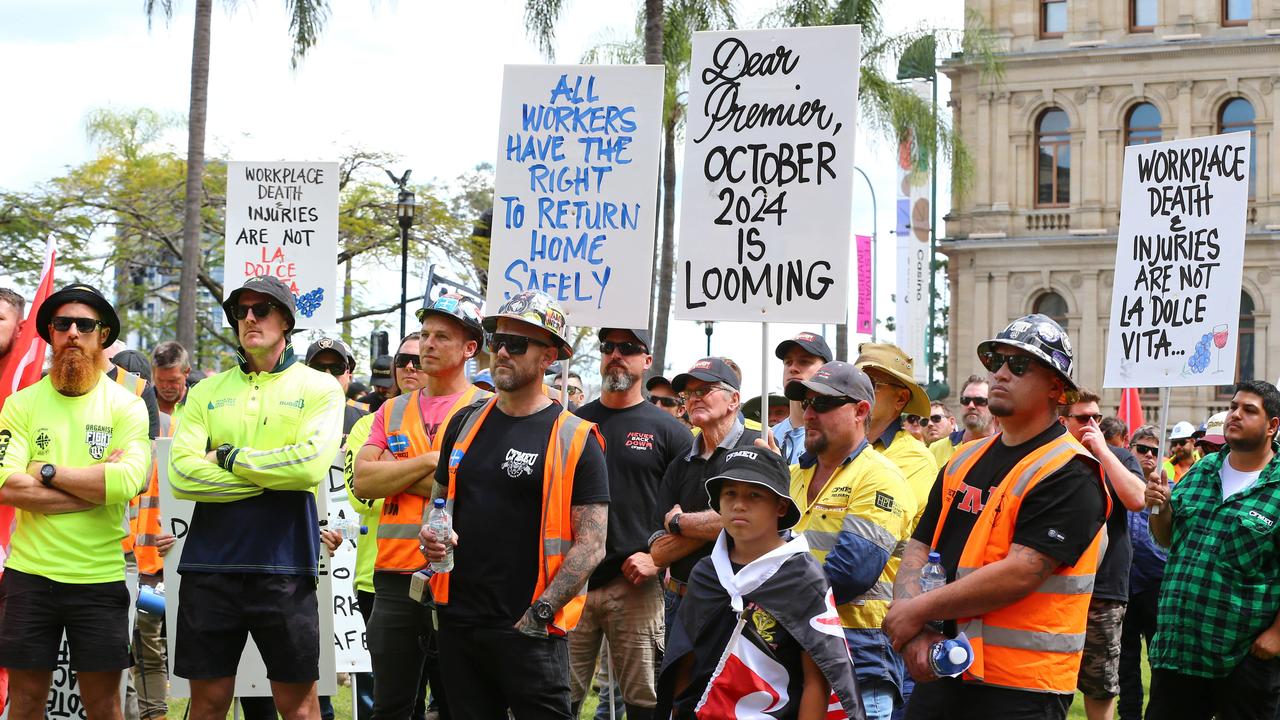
column 441, row 527
column 932, row 577
column 349, row 529
column 950, row 657
column 151, row 600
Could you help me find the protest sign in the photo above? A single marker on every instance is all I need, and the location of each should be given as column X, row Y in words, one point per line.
column 767, row 196
column 350, row 644
column 915, row 219
column 575, row 189
column 866, row 286
column 282, row 220
column 1175, row 304
column 251, row 675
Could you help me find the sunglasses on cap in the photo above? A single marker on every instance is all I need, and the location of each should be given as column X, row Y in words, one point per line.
column 974, row 401
column 404, row 360
column 515, row 344
column 62, row 323
column 825, row 403
column 260, row 310
column 335, row 369
column 626, row 348
column 993, row 360
column 1144, row 449
column 667, row 402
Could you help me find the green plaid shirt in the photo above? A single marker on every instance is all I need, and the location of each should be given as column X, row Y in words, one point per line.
column 1222, row 583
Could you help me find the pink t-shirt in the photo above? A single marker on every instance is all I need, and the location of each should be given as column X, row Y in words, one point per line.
column 433, row 411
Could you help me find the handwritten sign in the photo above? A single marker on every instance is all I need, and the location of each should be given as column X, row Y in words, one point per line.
column 350, row 643
column 768, row 189
column 866, row 282
column 575, row 189
column 251, row 675
column 282, row 220
column 1175, row 303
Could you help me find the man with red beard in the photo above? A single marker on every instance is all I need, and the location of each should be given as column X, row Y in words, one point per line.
column 73, row 451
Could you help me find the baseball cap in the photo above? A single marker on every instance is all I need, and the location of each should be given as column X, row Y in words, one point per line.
column 134, row 362
column 837, row 378
column 812, row 343
column 655, row 381
column 642, row 335
column 712, row 369
column 1215, row 429
column 751, row 408
column 380, row 375
column 334, row 344
column 268, row 285
column 758, row 467
column 1182, row 431
column 78, row 293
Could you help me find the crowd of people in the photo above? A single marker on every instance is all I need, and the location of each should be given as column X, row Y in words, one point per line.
column 657, row 543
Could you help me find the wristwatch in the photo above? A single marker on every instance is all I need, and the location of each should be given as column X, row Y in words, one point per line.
column 543, row 612
column 674, row 523
column 47, row 471
column 221, row 454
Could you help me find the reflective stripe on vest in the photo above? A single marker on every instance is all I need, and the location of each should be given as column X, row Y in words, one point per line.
column 568, row 438
column 130, row 382
column 145, row 524
column 403, row 513
column 1035, row 643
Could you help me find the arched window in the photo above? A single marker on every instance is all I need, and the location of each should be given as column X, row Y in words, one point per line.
column 1244, row 347
column 1053, row 159
column 1142, row 125
column 1237, row 115
column 1053, row 305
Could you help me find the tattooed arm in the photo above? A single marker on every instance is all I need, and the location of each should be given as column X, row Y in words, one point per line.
column 590, row 524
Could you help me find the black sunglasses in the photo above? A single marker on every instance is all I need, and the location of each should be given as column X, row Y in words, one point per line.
column 62, row 323
column 1145, row 449
column 626, row 348
column 935, row 419
column 992, row 361
column 1083, row 418
column 668, row 402
column 515, row 344
column 404, row 360
column 915, row 420
column 974, row 401
column 260, row 310
column 334, row 369
column 825, row 403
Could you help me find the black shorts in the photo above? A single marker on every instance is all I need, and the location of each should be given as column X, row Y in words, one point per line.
column 35, row 611
column 218, row 611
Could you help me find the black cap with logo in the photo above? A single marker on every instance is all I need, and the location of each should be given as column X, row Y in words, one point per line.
column 837, row 379
column 812, row 343
column 758, row 467
column 712, row 369
column 380, row 373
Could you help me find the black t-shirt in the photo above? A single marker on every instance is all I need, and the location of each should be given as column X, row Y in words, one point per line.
column 1113, row 574
column 497, row 512
column 640, row 442
column 1059, row 516
column 684, row 484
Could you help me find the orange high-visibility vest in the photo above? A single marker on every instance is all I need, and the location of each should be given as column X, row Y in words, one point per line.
column 144, row 514
column 136, row 385
column 565, row 445
column 403, row 514
column 1035, row 643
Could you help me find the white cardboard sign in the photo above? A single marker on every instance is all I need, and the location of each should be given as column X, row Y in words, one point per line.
column 282, row 220
column 766, row 211
column 350, row 644
column 575, row 189
column 251, row 675
column 1175, row 304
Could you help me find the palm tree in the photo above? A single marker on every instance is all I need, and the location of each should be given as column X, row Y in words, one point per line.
column 306, row 19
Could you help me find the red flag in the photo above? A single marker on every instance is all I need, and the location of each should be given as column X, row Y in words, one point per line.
column 1131, row 409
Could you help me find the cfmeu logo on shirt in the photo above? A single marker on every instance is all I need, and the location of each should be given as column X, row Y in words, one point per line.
column 519, row 463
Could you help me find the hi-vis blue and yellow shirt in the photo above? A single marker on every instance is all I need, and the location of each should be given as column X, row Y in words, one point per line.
column 857, row 527
column 285, row 426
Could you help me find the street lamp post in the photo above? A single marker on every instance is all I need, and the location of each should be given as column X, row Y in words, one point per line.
column 709, row 326
column 404, row 213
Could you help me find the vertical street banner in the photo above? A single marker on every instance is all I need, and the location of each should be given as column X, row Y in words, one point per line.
column 251, row 675
column 915, row 219
column 1175, row 303
column 767, row 201
column 282, row 220
column 866, row 286
column 576, row 187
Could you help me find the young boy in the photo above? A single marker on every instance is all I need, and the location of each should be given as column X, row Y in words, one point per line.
column 757, row 634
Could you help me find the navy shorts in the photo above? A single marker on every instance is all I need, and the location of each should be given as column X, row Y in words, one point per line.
column 217, row 612
column 35, row 611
